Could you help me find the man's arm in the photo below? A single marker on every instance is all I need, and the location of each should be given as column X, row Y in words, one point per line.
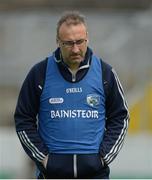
column 26, row 113
column 117, row 117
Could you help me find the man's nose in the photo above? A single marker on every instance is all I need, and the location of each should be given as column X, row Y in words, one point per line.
column 75, row 48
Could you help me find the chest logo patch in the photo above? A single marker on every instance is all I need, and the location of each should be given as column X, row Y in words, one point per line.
column 56, row 100
column 93, row 100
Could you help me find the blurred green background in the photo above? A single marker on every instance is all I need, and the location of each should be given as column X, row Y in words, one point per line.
column 120, row 32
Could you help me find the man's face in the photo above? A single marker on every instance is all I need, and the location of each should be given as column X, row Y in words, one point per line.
column 73, row 43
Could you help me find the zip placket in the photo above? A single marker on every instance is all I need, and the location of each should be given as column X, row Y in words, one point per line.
column 73, row 77
column 74, row 73
column 75, row 166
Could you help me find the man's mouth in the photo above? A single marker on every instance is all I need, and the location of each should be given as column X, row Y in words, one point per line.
column 75, row 55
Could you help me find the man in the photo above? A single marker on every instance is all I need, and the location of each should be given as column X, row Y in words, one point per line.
column 71, row 116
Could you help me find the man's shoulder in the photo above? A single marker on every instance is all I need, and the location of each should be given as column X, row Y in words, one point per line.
column 41, row 64
column 37, row 72
column 105, row 65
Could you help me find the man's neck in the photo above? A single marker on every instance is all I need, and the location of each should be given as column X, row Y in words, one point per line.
column 74, row 68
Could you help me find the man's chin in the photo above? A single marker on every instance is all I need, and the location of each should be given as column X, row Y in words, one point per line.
column 76, row 61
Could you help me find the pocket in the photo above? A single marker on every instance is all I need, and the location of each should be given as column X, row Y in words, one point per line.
column 59, row 166
column 102, row 161
column 41, row 169
column 49, row 166
column 48, row 162
column 89, row 165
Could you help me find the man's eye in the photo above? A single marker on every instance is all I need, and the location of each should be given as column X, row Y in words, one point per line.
column 69, row 43
column 80, row 41
column 72, row 43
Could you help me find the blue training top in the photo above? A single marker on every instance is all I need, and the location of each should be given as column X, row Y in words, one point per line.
column 71, row 116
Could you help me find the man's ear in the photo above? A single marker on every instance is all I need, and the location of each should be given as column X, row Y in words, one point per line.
column 57, row 42
column 87, row 37
column 87, row 41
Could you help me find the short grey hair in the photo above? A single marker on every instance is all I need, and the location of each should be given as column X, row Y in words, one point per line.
column 70, row 18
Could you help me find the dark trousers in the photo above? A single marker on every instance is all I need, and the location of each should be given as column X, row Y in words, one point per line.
column 80, row 166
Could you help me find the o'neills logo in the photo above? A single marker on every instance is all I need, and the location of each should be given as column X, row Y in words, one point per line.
column 56, row 100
